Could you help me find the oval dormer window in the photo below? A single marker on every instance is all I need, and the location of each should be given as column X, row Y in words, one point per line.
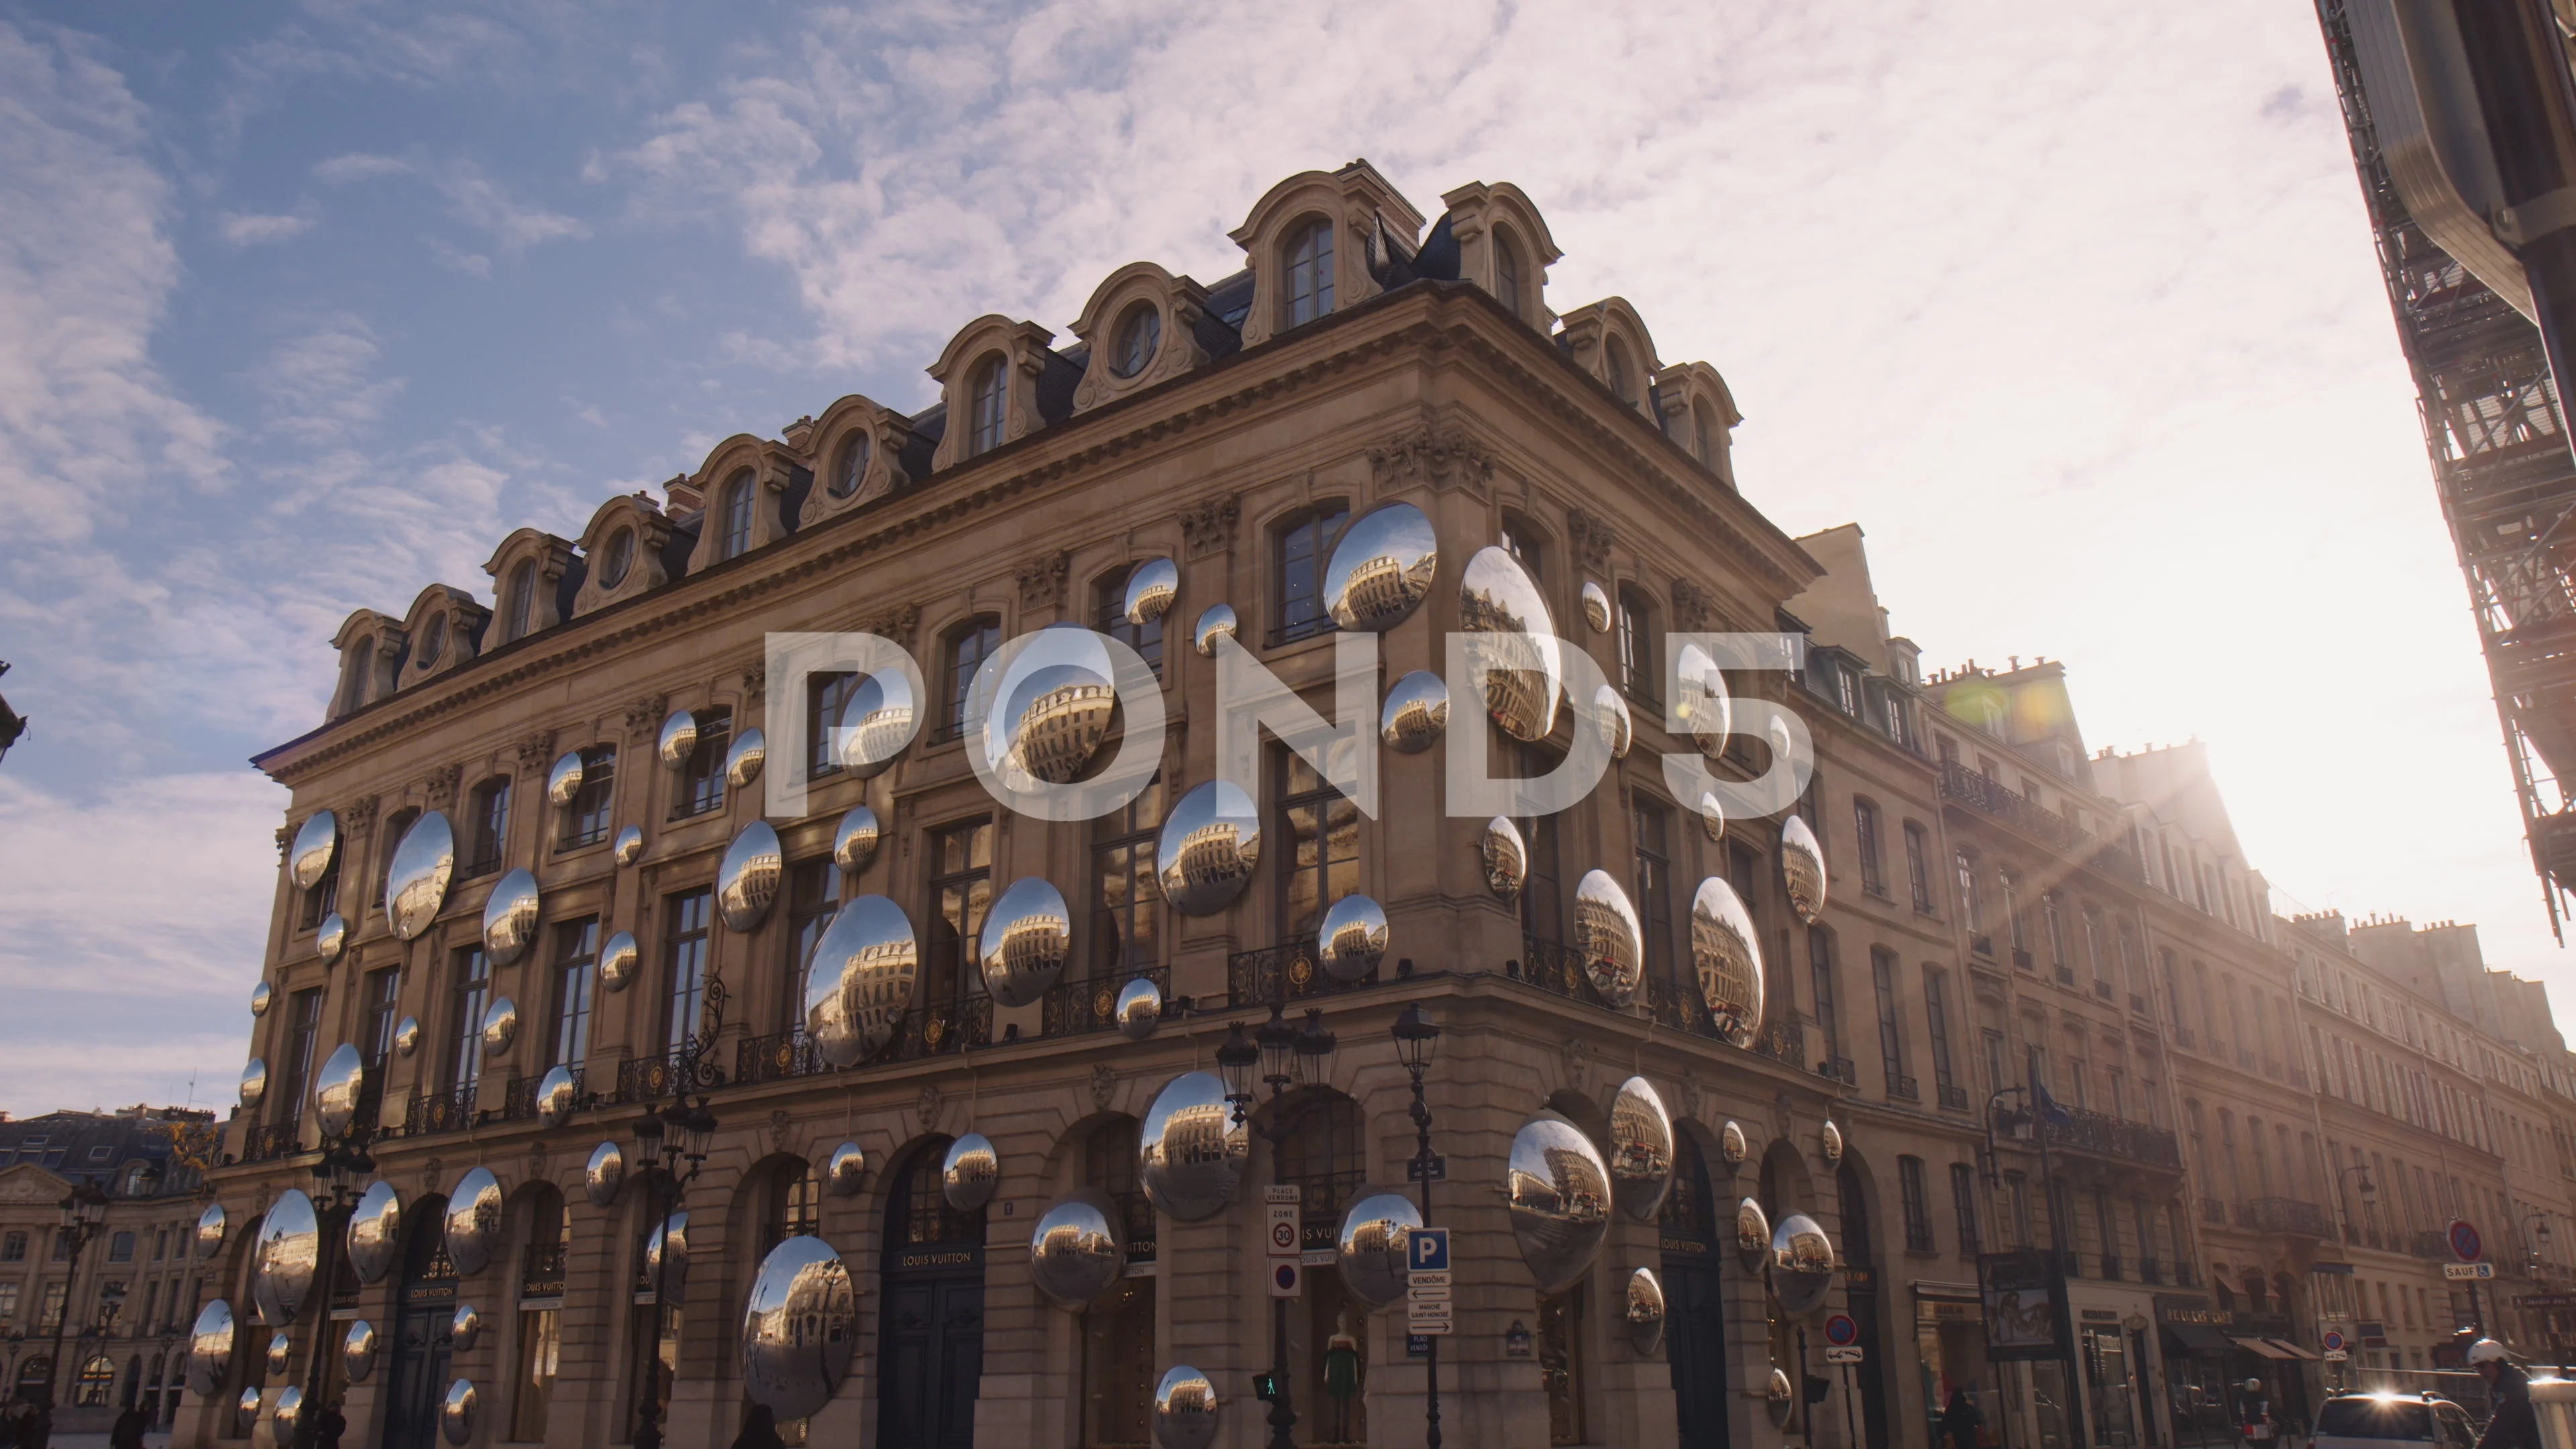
column 853, row 466
column 619, row 559
column 433, row 640
column 1140, row 336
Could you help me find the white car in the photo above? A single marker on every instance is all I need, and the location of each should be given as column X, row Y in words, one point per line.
column 2386, row 1420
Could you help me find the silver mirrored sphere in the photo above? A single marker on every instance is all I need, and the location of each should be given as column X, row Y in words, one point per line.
column 879, row 720
column 854, row 843
column 210, row 1230
column 336, row 1088
column 1078, row 1250
column 246, row 1409
column 510, row 918
column 798, row 1327
column 1596, row 607
column 254, row 1083
column 456, row 1413
column 1613, row 944
column 744, row 757
column 970, row 1172
column 281, row 1353
column 1732, row 1146
column 1209, row 848
column 316, row 840
column 1506, row 858
column 375, row 1232
column 630, row 845
column 464, row 1328
column 284, row 1257
column 1645, row 1312
column 1051, row 708
column 563, row 781
column 1381, row 568
column 1190, row 1151
column 1557, row 1193
column 679, row 739
column 861, row 980
column 1371, row 1249
column 1726, row 959
column 210, row 1348
column 1027, row 938
column 747, row 878
column 1185, row 1409
column 260, row 997
column 618, row 961
column 1830, row 1138
column 1641, row 1149
column 1216, row 621
column 845, row 1173
column 1139, row 1010
column 1701, row 705
column 416, row 881
column 1610, row 720
column 666, row 1257
column 407, row 1036
column 1802, row 1263
column 500, row 1027
column 1712, row 815
column 1151, row 589
column 1352, row 939
column 332, row 937
column 474, row 1221
column 1513, row 638
column 1752, row 1231
column 1416, row 713
column 358, row 1351
column 1802, row 869
column 604, row 1174
column 557, row 1095
column 282, row 1420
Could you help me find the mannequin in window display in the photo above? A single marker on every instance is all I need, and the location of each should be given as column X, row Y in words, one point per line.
column 1342, row 1375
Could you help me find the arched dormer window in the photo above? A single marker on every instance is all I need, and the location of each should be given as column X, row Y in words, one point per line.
column 1623, row 372
column 984, row 421
column 519, row 605
column 735, row 513
column 1140, row 336
column 433, row 643
column 617, row 560
column 1307, row 262
column 1507, row 272
column 850, row 465
column 1703, row 432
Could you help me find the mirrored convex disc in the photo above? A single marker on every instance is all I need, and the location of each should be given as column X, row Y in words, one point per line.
column 1209, row 848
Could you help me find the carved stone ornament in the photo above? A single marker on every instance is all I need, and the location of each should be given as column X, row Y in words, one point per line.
column 429, row 1177
column 536, row 1161
column 1591, row 537
column 283, row 836
column 755, row 680
column 1694, row 608
column 893, row 625
column 929, row 1104
column 440, row 788
column 1042, row 581
column 1443, row 458
column 358, row 817
column 1578, row 1064
column 1208, row 527
column 646, row 714
column 1104, row 1085
column 536, row 751
column 778, row 1121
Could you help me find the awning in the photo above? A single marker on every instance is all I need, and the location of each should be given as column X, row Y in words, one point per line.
column 2293, row 1350
column 2199, row 1338
column 2261, row 1347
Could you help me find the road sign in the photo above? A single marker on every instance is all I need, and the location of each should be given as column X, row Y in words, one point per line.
column 1282, row 1237
column 1287, row 1192
column 1287, row 1279
column 1843, row 1353
column 1439, row 1169
column 1841, row 1332
column 2465, row 1243
column 2333, row 1340
column 2468, row 1272
column 1427, row 1248
column 1426, row 1295
column 1428, row 1278
column 1426, row 1318
column 2336, row 1355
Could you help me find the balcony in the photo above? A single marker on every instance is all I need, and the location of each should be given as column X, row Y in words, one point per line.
column 2024, row 961
column 1278, row 975
column 2150, row 1271
column 1839, row 1069
column 1982, row 946
column 1782, row 1041
column 1954, row 1097
column 2065, row 974
column 541, row 1272
column 2107, row 1136
column 519, row 1103
column 2213, row 1211
column 647, row 1079
column 775, row 1058
column 2137, row 1004
column 2182, row 1036
column 265, row 1142
column 2287, row 1217
column 1903, row 1089
column 450, row 1109
column 2429, row 1244
column 1967, row 787
column 2102, row 989
column 1076, row 1008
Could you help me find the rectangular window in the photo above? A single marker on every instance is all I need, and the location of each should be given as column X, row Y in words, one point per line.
column 1109, row 612
column 8, row 1302
column 961, row 888
column 1912, row 1191
column 702, row 780
column 1971, row 909
column 813, row 888
column 586, row 816
column 1304, row 546
column 1865, row 826
column 969, row 645
column 1963, row 1204
column 540, row 1355
column 469, row 990
column 1542, row 895
column 826, row 695
column 576, row 960
column 1996, row 1078
column 1820, row 969
column 1654, row 887
column 303, row 1030
column 1125, row 924
column 2056, row 922
column 1918, row 868
column 1936, row 1017
column 1320, row 863
column 1637, row 672
column 1891, row 1030
column 384, row 1010
column 686, row 917
column 488, row 826
column 324, row 897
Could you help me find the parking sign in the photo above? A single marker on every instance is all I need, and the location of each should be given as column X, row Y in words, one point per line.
column 1427, row 1250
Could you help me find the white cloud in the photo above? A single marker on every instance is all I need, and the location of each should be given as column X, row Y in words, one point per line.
column 250, row 229
column 358, row 166
column 479, row 202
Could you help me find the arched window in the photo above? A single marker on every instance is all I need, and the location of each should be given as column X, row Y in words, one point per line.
column 1309, row 258
column 617, row 559
column 1507, row 272
column 1704, row 432
column 1118, row 1370
column 433, row 641
column 734, row 536
column 985, row 417
column 520, row 608
column 1623, row 373
column 796, row 1205
column 97, row 1381
column 852, row 466
column 1140, row 336
column 968, row 646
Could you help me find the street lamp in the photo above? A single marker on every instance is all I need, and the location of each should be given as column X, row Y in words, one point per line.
column 1285, row 1054
column 1417, row 1038
column 84, row 1208
column 344, row 1163
column 2343, row 1205
column 678, row 1133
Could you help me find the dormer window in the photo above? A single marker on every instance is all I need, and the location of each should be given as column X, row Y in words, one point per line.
column 433, row 641
column 1623, row 373
column 852, row 467
column 985, row 426
column 1310, row 272
column 734, row 539
column 1703, row 433
column 619, row 559
column 1507, row 272
column 1140, row 336
column 519, row 609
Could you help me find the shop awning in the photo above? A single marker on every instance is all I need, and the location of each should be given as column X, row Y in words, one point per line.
column 2199, row 1338
column 2260, row 1347
column 2293, row 1350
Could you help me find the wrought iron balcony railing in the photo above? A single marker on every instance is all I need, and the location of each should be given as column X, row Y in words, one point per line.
column 541, row 1272
column 1958, row 782
column 1553, row 966
column 1074, row 1008
column 775, row 1058
column 646, row 1079
column 2213, row 1211
column 2108, row 1136
column 266, row 1142
column 519, row 1103
column 1277, row 975
column 1954, row 1097
column 1904, row 1089
column 2288, row 1217
column 449, row 1109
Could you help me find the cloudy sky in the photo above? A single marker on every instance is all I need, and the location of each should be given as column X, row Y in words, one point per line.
column 304, row 306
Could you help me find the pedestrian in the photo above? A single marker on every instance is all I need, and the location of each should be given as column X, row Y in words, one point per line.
column 759, row 1430
column 37, row 1430
column 127, row 1433
column 328, row 1429
column 1961, row 1421
column 2512, row 1425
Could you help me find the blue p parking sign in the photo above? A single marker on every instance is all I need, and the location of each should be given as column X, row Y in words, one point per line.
column 1429, row 1250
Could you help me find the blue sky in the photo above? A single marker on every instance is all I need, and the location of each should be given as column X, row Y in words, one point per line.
column 305, row 306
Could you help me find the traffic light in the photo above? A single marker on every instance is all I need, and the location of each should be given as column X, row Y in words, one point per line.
column 1265, row 1387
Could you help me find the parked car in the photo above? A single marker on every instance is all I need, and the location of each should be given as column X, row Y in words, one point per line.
column 2386, row 1419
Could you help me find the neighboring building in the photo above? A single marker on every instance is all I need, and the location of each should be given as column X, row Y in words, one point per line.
column 134, row 1291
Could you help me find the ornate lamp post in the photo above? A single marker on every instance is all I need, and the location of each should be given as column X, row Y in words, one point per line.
column 84, row 1209
column 677, row 1133
column 1417, row 1037
column 1284, row 1054
column 344, row 1163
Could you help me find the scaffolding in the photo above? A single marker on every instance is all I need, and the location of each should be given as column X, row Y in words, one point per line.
column 2497, row 437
